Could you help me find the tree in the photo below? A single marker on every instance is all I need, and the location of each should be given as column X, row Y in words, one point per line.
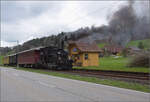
column 140, row 45
column 125, row 52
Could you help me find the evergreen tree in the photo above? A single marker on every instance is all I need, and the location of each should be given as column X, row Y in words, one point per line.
column 140, row 45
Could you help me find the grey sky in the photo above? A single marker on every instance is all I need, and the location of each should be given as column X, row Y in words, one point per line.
column 25, row 20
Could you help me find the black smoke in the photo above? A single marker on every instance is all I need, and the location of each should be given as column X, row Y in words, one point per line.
column 126, row 24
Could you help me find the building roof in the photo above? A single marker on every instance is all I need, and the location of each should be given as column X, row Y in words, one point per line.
column 33, row 49
column 134, row 48
column 112, row 46
column 86, row 47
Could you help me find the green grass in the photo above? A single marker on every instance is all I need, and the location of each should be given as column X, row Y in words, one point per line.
column 116, row 83
column 1, row 57
column 116, row 64
column 135, row 43
column 146, row 43
column 101, row 45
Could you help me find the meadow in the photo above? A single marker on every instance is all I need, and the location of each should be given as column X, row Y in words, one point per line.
column 134, row 43
column 116, row 64
column 146, row 43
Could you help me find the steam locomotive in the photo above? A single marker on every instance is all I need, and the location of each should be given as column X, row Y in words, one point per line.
column 42, row 57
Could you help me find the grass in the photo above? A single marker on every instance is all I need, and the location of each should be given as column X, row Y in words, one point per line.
column 101, row 45
column 116, row 83
column 132, row 43
column 1, row 57
column 136, row 42
column 116, row 64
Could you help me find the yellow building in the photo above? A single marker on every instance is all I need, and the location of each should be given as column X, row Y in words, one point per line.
column 5, row 60
column 84, row 54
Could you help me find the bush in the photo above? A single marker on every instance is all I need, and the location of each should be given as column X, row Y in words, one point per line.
column 125, row 52
column 107, row 53
column 141, row 60
column 140, row 45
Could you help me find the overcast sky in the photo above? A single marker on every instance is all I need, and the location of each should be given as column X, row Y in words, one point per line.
column 26, row 20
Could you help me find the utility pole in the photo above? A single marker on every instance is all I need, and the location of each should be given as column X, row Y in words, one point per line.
column 0, row 43
column 17, row 52
column 0, row 32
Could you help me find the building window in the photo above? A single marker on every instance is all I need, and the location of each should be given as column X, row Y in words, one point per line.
column 74, row 49
column 86, row 56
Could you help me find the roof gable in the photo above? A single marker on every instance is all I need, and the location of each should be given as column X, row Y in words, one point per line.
column 86, row 47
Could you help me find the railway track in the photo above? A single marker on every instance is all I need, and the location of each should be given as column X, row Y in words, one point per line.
column 132, row 76
column 122, row 74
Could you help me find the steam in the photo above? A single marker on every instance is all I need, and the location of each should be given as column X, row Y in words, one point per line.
column 122, row 23
column 126, row 24
column 130, row 22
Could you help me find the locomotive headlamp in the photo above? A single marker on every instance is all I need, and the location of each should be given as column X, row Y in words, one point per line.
column 58, row 52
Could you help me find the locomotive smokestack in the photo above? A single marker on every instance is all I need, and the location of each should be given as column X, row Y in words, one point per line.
column 62, row 40
column 62, row 44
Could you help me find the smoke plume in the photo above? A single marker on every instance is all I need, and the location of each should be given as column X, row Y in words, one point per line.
column 126, row 24
column 130, row 22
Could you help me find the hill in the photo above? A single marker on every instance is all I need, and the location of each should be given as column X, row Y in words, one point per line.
column 53, row 40
column 101, row 45
column 146, row 43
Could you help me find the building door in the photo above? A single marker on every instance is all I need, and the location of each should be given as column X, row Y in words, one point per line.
column 75, row 58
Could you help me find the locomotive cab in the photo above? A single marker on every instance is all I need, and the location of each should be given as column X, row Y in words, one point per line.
column 55, row 58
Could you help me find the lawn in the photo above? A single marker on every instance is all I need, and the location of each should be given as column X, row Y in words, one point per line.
column 116, row 83
column 116, row 64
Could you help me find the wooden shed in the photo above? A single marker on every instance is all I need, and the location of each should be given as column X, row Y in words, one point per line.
column 84, row 54
column 113, row 49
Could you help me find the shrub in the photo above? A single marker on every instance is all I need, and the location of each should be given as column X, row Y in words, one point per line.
column 106, row 53
column 141, row 60
column 125, row 52
column 140, row 45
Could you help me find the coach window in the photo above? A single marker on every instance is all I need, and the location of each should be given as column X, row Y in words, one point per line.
column 86, row 56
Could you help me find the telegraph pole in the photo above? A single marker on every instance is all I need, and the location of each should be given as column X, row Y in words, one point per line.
column 0, row 30
column 17, row 52
column 0, row 42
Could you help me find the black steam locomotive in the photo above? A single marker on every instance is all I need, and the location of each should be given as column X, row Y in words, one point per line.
column 55, row 58
column 50, row 57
